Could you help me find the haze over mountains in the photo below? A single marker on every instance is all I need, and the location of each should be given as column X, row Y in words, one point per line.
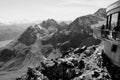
column 11, row 31
column 48, row 39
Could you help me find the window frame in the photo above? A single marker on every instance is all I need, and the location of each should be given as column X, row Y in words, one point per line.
column 118, row 19
column 109, row 21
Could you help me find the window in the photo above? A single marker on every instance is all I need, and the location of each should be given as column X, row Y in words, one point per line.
column 114, row 20
column 114, row 48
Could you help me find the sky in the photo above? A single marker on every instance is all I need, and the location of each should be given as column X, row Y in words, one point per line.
column 31, row 10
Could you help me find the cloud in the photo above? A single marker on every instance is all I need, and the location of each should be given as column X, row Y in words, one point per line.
column 67, row 2
column 86, row 3
column 43, row 9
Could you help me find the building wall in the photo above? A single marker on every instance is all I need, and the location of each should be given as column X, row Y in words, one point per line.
column 114, row 56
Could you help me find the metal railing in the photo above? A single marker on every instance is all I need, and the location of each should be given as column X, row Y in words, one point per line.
column 105, row 33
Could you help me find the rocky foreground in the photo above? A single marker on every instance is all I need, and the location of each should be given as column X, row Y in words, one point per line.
column 86, row 63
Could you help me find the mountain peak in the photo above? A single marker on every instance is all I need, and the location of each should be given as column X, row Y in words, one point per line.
column 31, row 34
column 88, row 20
column 49, row 23
column 101, row 13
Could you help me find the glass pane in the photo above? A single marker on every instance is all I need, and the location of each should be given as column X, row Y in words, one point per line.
column 114, row 20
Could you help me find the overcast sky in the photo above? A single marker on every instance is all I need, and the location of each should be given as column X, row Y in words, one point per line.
column 14, row 10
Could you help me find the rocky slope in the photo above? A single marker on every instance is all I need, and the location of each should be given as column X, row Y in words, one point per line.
column 79, row 64
column 86, row 63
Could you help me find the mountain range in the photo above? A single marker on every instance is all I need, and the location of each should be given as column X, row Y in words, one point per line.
column 47, row 40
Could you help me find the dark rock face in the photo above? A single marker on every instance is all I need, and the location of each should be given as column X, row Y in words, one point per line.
column 28, row 37
column 6, row 55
